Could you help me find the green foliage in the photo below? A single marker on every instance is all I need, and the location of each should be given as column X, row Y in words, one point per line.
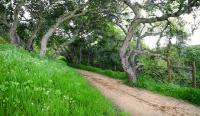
column 62, row 58
column 192, row 55
column 154, row 67
column 33, row 86
column 2, row 40
column 191, row 95
column 110, row 73
column 102, row 38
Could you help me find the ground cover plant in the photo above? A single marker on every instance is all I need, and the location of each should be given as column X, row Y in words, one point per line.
column 33, row 86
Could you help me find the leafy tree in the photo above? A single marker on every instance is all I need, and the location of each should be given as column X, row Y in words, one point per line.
column 169, row 9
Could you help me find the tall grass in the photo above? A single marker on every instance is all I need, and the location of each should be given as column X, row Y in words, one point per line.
column 188, row 94
column 37, row 87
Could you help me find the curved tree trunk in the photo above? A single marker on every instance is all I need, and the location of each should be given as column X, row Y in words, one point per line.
column 60, row 20
column 29, row 44
column 132, row 72
column 14, row 38
column 13, row 30
column 45, row 39
column 124, row 55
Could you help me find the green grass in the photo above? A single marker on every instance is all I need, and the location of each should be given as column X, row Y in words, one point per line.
column 110, row 73
column 188, row 94
column 37, row 87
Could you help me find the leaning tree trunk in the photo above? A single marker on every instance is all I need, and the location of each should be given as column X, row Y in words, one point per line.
column 13, row 31
column 124, row 55
column 29, row 44
column 132, row 77
column 14, row 38
column 60, row 20
column 45, row 39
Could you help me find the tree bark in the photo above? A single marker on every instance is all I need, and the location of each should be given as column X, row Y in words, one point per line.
column 14, row 38
column 88, row 59
column 132, row 71
column 29, row 44
column 194, row 75
column 115, row 67
column 45, row 39
column 80, row 55
column 13, row 35
column 60, row 20
column 169, row 70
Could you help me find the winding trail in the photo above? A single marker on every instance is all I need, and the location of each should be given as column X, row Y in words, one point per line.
column 139, row 102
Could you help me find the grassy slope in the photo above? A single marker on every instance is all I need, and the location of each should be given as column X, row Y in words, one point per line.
column 31, row 86
column 185, row 93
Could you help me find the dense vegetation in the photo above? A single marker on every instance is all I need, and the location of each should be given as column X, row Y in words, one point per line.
column 33, row 86
column 109, row 73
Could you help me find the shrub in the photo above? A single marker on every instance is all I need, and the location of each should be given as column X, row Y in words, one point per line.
column 2, row 40
column 61, row 58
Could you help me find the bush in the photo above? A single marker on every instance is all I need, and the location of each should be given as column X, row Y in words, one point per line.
column 62, row 58
column 2, row 40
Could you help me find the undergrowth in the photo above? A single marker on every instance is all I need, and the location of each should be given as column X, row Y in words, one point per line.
column 188, row 94
column 37, row 87
column 110, row 73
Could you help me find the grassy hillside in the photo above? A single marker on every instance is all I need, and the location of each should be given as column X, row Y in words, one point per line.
column 31, row 86
column 189, row 94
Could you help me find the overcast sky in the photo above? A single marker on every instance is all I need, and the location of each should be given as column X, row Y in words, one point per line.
column 194, row 39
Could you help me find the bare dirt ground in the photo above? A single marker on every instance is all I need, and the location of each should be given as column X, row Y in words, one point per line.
column 139, row 102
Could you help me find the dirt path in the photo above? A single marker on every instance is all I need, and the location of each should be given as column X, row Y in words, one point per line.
column 139, row 102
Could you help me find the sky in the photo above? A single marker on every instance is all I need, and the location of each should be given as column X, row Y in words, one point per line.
column 194, row 40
